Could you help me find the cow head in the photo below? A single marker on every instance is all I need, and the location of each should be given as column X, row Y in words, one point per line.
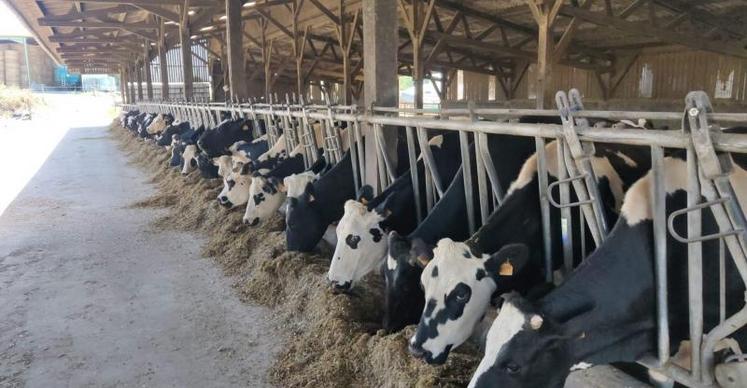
column 189, row 159
column 224, row 164
column 177, row 150
column 158, row 125
column 216, row 142
column 208, row 170
column 303, row 223
column 236, row 188
column 361, row 241
column 403, row 297
column 266, row 195
column 458, row 285
column 524, row 349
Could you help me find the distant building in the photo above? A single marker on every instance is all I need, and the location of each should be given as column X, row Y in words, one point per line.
column 17, row 71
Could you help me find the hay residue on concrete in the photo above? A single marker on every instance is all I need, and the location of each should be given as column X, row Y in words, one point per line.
column 333, row 340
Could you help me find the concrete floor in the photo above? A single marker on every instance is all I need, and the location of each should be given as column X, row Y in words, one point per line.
column 90, row 295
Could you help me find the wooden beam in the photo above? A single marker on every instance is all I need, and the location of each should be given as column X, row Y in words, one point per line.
column 646, row 29
column 162, row 60
column 94, row 24
column 192, row 3
column 162, row 12
column 326, row 11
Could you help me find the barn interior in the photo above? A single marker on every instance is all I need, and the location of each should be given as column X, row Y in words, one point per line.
column 488, row 56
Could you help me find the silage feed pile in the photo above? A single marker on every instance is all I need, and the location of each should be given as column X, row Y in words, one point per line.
column 332, row 340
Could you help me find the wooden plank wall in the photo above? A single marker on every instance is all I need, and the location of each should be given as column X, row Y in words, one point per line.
column 657, row 77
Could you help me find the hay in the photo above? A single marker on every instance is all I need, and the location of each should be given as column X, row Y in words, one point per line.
column 333, row 339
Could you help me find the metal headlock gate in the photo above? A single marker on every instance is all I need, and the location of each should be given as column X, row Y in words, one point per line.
column 708, row 165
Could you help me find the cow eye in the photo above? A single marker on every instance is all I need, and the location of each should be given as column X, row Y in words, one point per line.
column 512, row 368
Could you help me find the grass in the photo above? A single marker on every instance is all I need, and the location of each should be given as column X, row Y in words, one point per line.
column 13, row 99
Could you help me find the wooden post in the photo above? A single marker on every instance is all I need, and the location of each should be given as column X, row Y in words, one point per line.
column 235, row 39
column 544, row 12
column 163, row 63
column 381, row 86
column 186, row 46
column 139, row 77
column 298, row 49
column 266, row 58
column 130, row 71
column 123, row 84
column 416, row 21
column 146, row 68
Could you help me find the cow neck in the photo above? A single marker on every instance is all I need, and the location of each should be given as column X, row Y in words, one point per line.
column 448, row 218
column 607, row 307
column 516, row 220
column 332, row 189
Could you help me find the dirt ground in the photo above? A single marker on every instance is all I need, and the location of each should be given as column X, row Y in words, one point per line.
column 92, row 295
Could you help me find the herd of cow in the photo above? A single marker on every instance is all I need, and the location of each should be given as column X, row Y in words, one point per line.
column 447, row 281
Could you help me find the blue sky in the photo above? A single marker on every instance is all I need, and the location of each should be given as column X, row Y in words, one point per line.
column 9, row 24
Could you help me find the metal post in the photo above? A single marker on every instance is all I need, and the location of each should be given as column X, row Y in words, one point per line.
column 658, row 205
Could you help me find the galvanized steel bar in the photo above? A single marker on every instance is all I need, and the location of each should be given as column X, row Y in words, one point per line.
column 658, row 206
column 412, row 155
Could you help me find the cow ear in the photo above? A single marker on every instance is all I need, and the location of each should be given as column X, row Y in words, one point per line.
column 508, row 261
column 365, row 194
column 422, row 252
column 275, row 182
column 385, row 207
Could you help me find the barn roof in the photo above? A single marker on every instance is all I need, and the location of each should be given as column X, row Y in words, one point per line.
column 485, row 36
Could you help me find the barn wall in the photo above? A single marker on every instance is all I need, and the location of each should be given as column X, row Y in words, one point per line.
column 13, row 65
column 657, row 78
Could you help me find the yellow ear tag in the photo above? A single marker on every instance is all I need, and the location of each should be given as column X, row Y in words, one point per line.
column 506, row 269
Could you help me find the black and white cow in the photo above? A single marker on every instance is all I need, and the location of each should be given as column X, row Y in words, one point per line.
column 267, row 192
column 363, row 230
column 459, row 281
column 216, row 141
column 606, row 311
column 159, row 124
column 404, row 299
column 245, row 151
column 310, row 214
column 166, row 137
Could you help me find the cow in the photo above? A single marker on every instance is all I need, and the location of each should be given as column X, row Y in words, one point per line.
column 142, row 129
column 208, row 169
column 403, row 297
column 362, row 232
column 216, row 142
column 606, row 311
column 243, row 151
column 454, row 265
column 189, row 158
column 267, row 192
column 310, row 214
column 177, row 150
column 224, row 164
column 159, row 124
column 165, row 138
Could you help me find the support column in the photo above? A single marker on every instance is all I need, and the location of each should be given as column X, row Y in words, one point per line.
column 123, row 84
column 163, row 63
column 544, row 12
column 146, row 69
column 416, row 21
column 381, row 85
column 266, row 58
column 186, row 46
column 298, row 49
column 131, row 81
column 139, row 79
column 234, row 37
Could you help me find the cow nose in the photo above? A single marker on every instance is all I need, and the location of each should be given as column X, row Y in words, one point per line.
column 338, row 287
column 253, row 222
column 416, row 350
